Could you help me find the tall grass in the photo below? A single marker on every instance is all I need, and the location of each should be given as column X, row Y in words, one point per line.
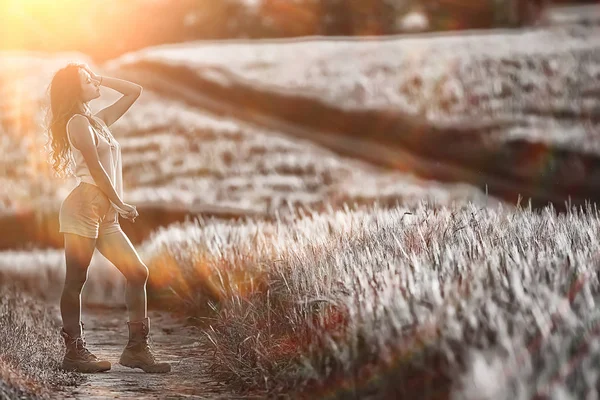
column 30, row 347
column 428, row 302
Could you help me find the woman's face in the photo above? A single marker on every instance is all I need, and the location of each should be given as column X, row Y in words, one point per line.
column 90, row 88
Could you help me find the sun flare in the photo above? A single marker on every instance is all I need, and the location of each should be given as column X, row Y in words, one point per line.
column 57, row 25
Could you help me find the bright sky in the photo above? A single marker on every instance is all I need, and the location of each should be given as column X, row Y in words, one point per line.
column 42, row 21
column 113, row 26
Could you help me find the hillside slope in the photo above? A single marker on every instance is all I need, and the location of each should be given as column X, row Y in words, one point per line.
column 514, row 111
column 180, row 160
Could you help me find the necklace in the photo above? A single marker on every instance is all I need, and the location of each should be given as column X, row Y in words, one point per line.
column 104, row 134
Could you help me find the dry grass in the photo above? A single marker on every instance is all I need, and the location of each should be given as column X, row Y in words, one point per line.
column 432, row 302
column 30, row 347
column 427, row 302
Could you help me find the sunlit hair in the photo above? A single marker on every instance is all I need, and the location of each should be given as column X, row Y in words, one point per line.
column 65, row 95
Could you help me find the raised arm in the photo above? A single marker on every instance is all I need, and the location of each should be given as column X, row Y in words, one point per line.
column 131, row 92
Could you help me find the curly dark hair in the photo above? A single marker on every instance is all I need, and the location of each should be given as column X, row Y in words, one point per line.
column 65, row 96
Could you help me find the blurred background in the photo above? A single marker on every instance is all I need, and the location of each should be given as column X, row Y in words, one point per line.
column 106, row 29
column 261, row 107
column 257, row 113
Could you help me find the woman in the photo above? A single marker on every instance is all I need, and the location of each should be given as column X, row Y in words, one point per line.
column 89, row 214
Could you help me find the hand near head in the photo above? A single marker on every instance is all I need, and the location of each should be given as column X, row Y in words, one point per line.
column 89, row 71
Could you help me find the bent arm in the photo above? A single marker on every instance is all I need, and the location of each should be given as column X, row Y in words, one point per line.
column 131, row 92
column 82, row 138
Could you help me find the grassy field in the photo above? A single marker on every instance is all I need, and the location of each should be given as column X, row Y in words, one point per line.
column 430, row 302
column 30, row 347
column 426, row 302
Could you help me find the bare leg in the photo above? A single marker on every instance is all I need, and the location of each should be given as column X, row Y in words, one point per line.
column 117, row 248
column 78, row 253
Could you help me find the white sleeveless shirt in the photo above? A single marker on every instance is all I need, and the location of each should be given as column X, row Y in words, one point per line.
column 109, row 155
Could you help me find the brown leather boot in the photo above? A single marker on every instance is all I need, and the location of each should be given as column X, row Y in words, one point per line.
column 137, row 353
column 78, row 358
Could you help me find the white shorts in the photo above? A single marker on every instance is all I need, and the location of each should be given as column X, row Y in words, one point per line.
column 88, row 212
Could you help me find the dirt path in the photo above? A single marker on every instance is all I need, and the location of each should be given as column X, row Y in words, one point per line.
column 106, row 334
